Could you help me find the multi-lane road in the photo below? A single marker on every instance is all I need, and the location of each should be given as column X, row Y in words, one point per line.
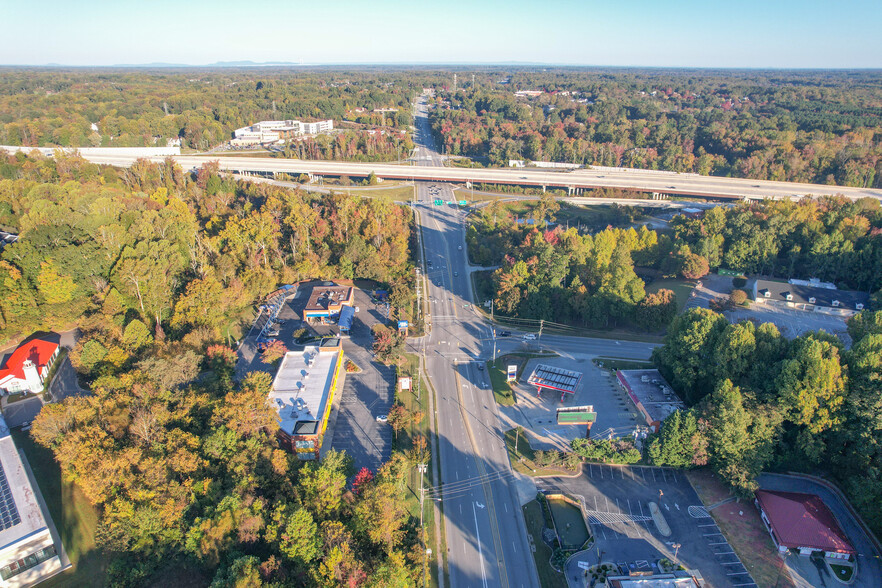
column 484, row 528
column 428, row 168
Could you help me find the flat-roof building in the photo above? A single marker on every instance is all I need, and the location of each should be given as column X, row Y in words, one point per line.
column 273, row 131
column 803, row 522
column 547, row 377
column 27, row 552
column 651, row 394
column 810, row 295
column 678, row 579
column 327, row 300
column 303, row 392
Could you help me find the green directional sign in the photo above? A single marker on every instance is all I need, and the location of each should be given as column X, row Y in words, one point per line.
column 463, row 203
column 438, row 202
column 450, row 202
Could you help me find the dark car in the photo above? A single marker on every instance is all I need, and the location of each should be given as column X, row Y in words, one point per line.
column 504, row 334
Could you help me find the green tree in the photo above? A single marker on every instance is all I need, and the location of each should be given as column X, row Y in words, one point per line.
column 680, row 443
column 811, row 385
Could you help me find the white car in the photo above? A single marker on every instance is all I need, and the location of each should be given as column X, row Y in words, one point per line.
column 381, row 418
column 460, row 247
column 530, row 337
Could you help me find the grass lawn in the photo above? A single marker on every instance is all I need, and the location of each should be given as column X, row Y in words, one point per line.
column 843, row 573
column 75, row 519
column 682, row 290
column 523, row 460
column 745, row 532
column 613, row 364
column 548, row 576
column 502, row 392
column 410, row 401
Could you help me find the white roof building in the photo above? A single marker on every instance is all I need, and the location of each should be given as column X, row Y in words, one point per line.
column 28, row 554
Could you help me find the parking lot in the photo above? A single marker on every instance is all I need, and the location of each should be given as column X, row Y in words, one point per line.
column 793, row 323
column 365, row 394
column 616, row 502
column 790, row 322
column 616, row 414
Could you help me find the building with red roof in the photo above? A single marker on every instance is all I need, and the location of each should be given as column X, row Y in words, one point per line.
column 803, row 522
column 28, row 366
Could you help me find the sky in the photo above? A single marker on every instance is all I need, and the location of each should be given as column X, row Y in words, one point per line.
column 652, row 33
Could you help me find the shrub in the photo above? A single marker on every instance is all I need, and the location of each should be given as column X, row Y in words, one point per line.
column 738, row 297
column 739, row 281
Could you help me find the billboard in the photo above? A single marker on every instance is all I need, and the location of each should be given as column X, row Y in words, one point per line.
column 405, row 383
column 402, row 325
column 512, row 373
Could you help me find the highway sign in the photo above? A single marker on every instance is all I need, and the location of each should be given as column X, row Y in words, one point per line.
column 584, row 565
column 463, row 203
column 402, row 325
column 438, row 202
column 512, row 373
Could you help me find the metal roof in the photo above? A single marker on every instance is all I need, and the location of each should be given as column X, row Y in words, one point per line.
column 803, row 520
column 547, row 376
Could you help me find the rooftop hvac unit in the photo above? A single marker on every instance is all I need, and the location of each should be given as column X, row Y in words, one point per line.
column 859, row 306
column 788, row 296
column 835, row 303
column 812, row 300
column 644, row 378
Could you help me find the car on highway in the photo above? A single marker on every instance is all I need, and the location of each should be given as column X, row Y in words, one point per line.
column 455, row 274
column 272, row 333
column 459, row 247
column 481, row 367
column 530, row 337
column 504, row 334
column 382, row 418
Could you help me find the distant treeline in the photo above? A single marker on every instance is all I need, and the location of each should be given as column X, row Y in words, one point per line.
column 820, row 127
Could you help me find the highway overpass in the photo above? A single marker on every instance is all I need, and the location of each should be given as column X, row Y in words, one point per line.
column 651, row 181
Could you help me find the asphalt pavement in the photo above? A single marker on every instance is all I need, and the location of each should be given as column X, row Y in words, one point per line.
column 485, row 531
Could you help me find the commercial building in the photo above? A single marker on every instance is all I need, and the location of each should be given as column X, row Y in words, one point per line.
column 547, row 377
column 303, row 392
column 28, row 366
column 651, row 394
column 275, row 131
column 802, row 522
column 27, row 552
column 678, row 579
column 326, row 300
column 810, row 295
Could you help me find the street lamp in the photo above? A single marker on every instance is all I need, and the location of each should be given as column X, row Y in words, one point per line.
column 676, row 547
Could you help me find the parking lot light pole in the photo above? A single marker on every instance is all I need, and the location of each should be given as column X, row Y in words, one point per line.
column 676, row 547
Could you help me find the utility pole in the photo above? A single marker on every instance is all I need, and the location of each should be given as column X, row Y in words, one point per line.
column 422, row 469
column 541, row 324
column 494, row 344
column 454, row 83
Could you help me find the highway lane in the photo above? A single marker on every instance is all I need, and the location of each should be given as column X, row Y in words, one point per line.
column 486, row 538
column 428, row 161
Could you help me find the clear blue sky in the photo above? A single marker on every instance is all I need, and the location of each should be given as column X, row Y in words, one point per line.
column 697, row 33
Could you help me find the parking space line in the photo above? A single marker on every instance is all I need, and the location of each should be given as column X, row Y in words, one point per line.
column 653, row 474
column 712, row 534
column 664, row 475
column 643, row 473
column 721, row 543
column 708, row 525
column 731, row 563
column 726, row 553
